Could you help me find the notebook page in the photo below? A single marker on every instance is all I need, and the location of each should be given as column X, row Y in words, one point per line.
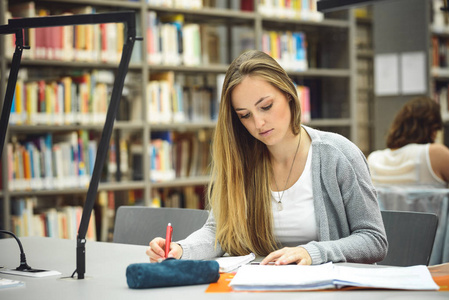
column 284, row 277
column 407, row 278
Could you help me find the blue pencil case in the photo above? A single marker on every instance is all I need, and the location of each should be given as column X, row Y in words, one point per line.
column 171, row 272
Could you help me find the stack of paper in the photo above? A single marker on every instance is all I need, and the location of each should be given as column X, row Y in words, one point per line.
column 330, row 276
column 232, row 263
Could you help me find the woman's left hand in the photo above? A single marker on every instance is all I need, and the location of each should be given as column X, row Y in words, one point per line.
column 288, row 255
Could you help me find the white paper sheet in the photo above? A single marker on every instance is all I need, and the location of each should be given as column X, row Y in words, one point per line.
column 406, row 278
column 285, row 277
column 232, row 263
column 386, row 77
column 413, row 73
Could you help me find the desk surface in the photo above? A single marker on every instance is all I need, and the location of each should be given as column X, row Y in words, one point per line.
column 105, row 276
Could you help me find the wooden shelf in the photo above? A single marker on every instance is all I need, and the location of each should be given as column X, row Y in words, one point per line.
column 273, row 21
column 109, row 186
column 213, row 68
column 72, row 127
column 329, row 122
column 74, row 64
column 322, row 73
column 440, row 73
column 207, row 14
column 105, row 3
column 369, row 54
column 183, row 126
column 180, row 182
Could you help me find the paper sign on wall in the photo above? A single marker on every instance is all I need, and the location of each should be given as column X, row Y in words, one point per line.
column 386, row 77
column 413, row 71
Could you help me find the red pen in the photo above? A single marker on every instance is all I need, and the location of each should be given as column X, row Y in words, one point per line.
column 168, row 235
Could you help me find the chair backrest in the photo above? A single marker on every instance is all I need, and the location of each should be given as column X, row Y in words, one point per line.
column 410, row 237
column 138, row 225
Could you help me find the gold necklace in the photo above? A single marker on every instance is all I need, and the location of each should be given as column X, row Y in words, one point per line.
column 279, row 203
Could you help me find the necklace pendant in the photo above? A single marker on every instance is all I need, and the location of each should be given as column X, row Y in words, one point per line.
column 279, row 206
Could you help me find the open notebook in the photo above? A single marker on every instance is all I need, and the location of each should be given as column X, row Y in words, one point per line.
column 330, row 276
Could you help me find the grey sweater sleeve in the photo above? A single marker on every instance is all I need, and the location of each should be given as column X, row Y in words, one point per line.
column 350, row 225
column 201, row 243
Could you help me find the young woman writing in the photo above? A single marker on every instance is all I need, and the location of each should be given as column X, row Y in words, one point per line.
column 279, row 189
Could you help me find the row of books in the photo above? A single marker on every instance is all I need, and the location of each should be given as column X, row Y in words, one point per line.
column 105, row 221
column 81, row 99
column 441, row 95
column 84, row 99
column 440, row 52
column 92, row 43
column 50, row 222
column 161, row 162
column 170, row 41
column 290, row 9
column 187, row 197
column 63, row 160
column 363, row 38
column 187, row 4
column 304, row 98
column 288, row 48
column 192, row 153
column 66, row 160
column 175, row 98
column 173, row 155
column 439, row 18
column 51, row 161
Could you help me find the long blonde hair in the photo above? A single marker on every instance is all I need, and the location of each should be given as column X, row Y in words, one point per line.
column 239, row 193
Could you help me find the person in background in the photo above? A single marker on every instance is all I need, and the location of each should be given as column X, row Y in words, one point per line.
column 412, row 157
column 280, row 189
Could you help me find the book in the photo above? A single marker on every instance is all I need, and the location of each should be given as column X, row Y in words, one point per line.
column 331, row 276
column 191, row 40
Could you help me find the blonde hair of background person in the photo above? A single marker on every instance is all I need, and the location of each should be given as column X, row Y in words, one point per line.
column 418, row 122
column 249, row 158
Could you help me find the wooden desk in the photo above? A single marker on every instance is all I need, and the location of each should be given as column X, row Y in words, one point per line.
column 106, row 279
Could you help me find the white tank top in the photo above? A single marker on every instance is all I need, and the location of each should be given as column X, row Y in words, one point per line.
column 409, row 165
column 295, row 224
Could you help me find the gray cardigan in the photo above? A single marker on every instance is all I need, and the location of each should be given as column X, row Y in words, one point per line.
column 350, row 227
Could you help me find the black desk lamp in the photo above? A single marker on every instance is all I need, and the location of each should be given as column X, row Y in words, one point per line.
column 16, row 27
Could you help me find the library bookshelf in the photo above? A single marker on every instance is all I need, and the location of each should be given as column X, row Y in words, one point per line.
column 159, row 153
column 365, row 80
column 439, row 58
column 412, row 27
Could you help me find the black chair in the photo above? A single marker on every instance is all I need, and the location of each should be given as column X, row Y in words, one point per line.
column 410, row 237
column 138, row 225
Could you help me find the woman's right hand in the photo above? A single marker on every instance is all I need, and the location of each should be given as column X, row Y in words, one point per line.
column 156, row 250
